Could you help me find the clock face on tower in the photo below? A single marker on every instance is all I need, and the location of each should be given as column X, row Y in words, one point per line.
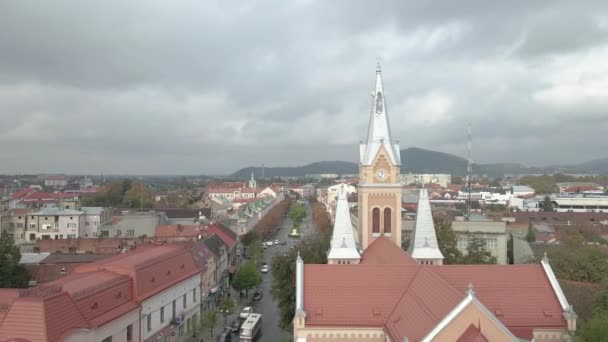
column 381, row 174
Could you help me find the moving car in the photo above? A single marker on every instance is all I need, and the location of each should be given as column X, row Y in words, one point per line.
column 283, row 242
column 264, row 268
column 225, row 336
column 246, row 312
column 276, row 242
column 257, row 296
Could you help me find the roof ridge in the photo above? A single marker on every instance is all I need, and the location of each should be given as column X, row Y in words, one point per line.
column 404, row 292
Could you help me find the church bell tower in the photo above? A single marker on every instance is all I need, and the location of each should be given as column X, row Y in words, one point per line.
column 379, row 170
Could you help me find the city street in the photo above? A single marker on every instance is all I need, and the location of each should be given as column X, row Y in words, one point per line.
column 267, row 307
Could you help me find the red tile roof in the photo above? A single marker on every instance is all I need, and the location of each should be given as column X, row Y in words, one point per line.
column 94, row 294
column 22, row 193
column 384, row 252
column 388, row 290
column 177, row 230
column 226, row 235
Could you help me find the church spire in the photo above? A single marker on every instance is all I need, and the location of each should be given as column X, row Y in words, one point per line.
column 379, row 132
column 423, row 242
column 343, row 247
column 252, row 182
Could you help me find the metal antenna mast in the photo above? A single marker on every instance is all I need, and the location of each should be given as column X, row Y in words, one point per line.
column 469, row 169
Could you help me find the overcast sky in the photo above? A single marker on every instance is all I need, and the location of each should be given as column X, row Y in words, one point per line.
column 195, row 87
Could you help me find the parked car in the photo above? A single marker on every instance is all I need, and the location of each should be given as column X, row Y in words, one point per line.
column 257, row 296
column 283, row 242
column 225, row 336
column 264, row 268
column 235, row 326
column 276, row 242
column 245, row 312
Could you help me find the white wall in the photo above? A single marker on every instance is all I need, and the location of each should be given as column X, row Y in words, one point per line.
column 152, row 305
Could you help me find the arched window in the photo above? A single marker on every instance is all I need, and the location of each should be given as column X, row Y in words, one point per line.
column 387, row 220
column 376, row 220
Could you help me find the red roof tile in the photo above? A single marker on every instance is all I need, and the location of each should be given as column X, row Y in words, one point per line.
column 384, row 252
column 388, row 289
column 177, row 230
column 225, row 234
column 22, row 193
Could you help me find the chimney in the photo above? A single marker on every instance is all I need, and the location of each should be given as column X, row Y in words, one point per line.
column 180, row 228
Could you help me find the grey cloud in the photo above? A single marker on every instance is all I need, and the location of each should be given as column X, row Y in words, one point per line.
column 195, row 87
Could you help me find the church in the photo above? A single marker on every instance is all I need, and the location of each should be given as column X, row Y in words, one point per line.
column 372, row 290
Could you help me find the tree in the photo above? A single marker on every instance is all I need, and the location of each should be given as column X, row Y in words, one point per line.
column 547, row 204
column 446, row 238
column 297, row 213
column 226, row 307
column 510, row 251
column 247, row 277
column 248, row 238
column 138, row 196
column 531, row 236
column 208, row 321
column 12, row 273
column 313, row 250
column 579, row 263
column 596, row 329
column 476, row 252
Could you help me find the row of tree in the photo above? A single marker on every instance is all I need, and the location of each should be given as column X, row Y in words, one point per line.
column 121, row 194
column 270, row 221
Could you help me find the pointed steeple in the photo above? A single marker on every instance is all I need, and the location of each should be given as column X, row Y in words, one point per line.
column 379, row 132
column 343, row 246
column 252, row 182
column 423, row 243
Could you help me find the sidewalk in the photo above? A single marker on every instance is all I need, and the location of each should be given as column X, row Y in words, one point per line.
column 240, row 303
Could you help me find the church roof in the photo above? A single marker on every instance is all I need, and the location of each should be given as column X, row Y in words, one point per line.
column 384, row 252
column 410, row 299
column 343, row 244
column 379, row 132
column 423, row 243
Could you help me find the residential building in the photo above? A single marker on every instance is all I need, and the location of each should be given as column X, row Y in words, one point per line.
column 47, row 267
column 54, row 223
column 522, row 190
column 146, row 294
column 56, row 181
column 95, row 217
column 131, row 224
column 442, row 179
column 494, row 233
column 269, row 191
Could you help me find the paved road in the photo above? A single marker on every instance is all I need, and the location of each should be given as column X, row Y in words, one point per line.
column 267, row 306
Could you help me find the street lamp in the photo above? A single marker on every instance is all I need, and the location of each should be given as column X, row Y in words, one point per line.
column 225, row 313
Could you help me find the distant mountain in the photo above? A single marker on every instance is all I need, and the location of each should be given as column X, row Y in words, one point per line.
column 594, row 166
column 339, row 167
column 418, row 160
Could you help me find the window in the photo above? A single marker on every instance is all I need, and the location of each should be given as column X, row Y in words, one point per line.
column 491, row 243
column 105, row 233
column 463, row 243
column 376, row 220
column 32, row 226
column 131, row 232
column 162, row 314
column 11, row 225
column 185, row 300
column 149, row 322
column 32, row 237
column 86, row 223
column 71, row 236
column 19, row 225
column 194, row 295
column 387, row 220
column 130, row 333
